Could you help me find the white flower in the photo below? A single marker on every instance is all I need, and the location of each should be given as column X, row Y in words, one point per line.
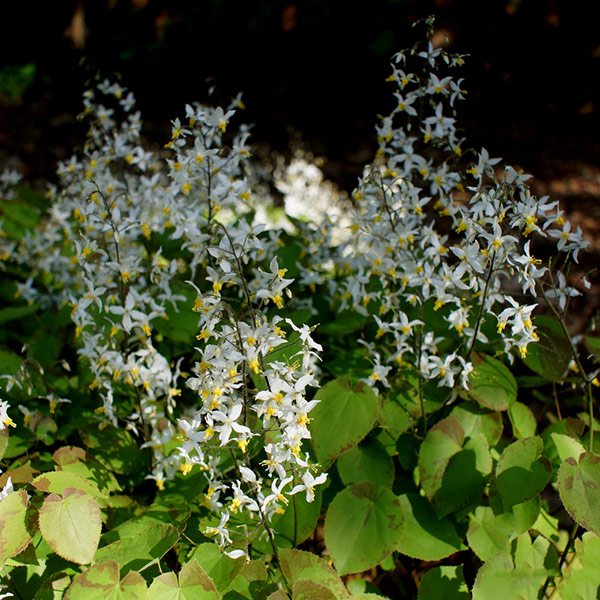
column 130, row 317
column 562, row 291
column 308, row 484
column 229, row 423
column 6, row 490
column 5, row 420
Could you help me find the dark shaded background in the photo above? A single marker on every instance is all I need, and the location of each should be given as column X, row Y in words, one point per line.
column 315, row 69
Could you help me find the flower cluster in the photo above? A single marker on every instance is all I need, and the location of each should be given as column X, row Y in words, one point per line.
column 440, row 246
column 435, row 255
column 126, row 228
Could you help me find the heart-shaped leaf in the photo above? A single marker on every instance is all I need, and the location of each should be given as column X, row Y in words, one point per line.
column 103, row 581
column 14, row 535
column 522, row 472
column 299, row 565
column 579, row 488
column 71, row 525
column 377, row 516
column 491, row 383
column 424, row 535
column 343, row 418
column 191, row 584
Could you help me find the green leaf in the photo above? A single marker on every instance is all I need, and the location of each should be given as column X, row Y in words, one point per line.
column 288, row 256
column 452, row 475
column 298, row 565
column 278, row 596
column 56, row 481
column 251, row 582
column 285, row 353
column 363, row 589
column 181, row 324
column 522, row 472
column 465, row 477
column 550, row 356
column 349, row 411
column 68, row 455
column 19, row 441
column 14, row 534
column 366, row 462
column 46, row 345
column 477, row 419
column 549, row 527
column 17, row 312
column 135, row 543
column 579, row 489
column 3, row 441
column 444, row 583
column 378, row 521
column 491, row 383
column 566, row 446
column 102, row 582
column 521, row 572
column 408, row 395
column 219, row 567
column 305, row 589
column 581, row 577
column 592, row 343
column 115, row 449
column 349, row 361
column 424, row 535
column 571, row 427
column 173, row 510
column 43, row 427
column 442, row 442
column 393, row 419
column 24, row 473
column 75, row 460
column 490, row 533
column 9, row 362
column 21, row 214
column 522, row 420
column 25, row 193
column 192, row 584
column 298, row 521
column 54, row 587
column 71, row 525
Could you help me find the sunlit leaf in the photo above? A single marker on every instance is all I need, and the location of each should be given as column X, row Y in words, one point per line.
column 344, row 416
column 298, row 565
column 579, row 488
column 192, row 583
column 379, row 513
column 102, row 581
column 14, row 533
column 491, row 383
column 522, row 472
column 71, row 524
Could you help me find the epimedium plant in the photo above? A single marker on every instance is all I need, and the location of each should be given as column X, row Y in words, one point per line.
column 210, row 406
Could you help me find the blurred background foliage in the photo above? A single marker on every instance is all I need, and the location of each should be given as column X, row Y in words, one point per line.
column 309, row 68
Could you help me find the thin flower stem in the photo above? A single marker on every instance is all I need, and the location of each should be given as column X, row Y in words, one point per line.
column 586, row 381
column 264, row 522
column 248, row 296
column 556, row 401
column 482, row 307
column 419, row 348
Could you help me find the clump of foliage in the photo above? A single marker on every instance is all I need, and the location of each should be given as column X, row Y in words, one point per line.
column 177, row 373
